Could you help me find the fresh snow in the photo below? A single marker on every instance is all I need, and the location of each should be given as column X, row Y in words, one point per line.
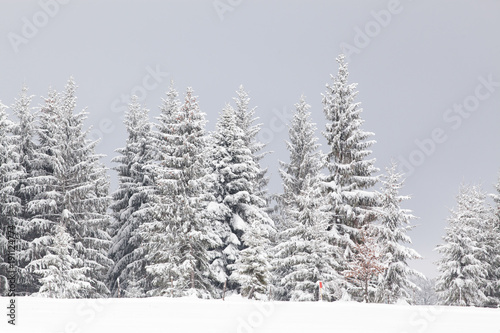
column 238, row 223
column 235, row 314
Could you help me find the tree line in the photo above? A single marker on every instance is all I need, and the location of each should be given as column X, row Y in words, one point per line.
column 192, row 215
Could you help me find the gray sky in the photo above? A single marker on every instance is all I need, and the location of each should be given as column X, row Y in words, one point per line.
column 423, row 69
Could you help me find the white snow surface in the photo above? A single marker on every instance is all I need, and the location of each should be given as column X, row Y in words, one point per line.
column 235, row 314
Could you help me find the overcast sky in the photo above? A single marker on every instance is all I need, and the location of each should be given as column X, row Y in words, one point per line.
column 427, row 71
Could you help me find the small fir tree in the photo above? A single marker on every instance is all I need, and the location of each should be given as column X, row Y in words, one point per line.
column 395, row 284
column 462, row 272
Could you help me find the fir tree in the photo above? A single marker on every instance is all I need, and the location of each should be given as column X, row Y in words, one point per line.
column 305, row 253
column 492, row 240
column 462, row 269
column 84, row 184
column 157, row 233
column 63, row 274
column 350, row 171
column 245, row 119
column 305, row 159
column 25, row 133
column 42, row 187
column 239, row 206
column 132, row 203
column 350, row 204
column 71, row 186
column 9, row 204
column 179, row 240
column 395, row 283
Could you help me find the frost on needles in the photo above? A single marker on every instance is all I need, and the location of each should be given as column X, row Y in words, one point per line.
column 192, row 216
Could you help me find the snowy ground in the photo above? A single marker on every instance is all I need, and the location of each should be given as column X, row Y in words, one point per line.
column 240, row 315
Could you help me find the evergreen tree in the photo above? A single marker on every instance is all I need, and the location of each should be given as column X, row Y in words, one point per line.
column 305, row 159
column 305, row 253
column 350, row 202
column 240, row 208
column 462, row 269
column 132, row 203
column 351, row 173
column 245, row 119
column 178, row 240
column 9, row 204
column 252, row 269
column 42, row 186
column 157, row 233
column 25, row 133
column 63, row 274
column 492, row 240
column 70, row 185
column 395, row 283
column 85, row 186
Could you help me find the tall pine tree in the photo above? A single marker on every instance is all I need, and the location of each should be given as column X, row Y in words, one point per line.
column 132, row 204
column 241, row 209
column 305, row 253
column 9, row 204
column 72, row 189
column 178, row 240
column 350, row 202
column 85, row 187
column 42, row 186
column 25, row 133
column 351, row 173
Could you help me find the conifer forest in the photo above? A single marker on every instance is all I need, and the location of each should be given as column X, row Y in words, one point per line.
column 193, row 215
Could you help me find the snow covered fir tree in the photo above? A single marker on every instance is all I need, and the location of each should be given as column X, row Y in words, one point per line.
column 60, row 181
column 192, row 213
column 62, row 272
column 82, row 187
column 178, row 240
column 131, row 204
column 466, row 274
column 395, row 283
column 351, row 201
column 244, row 225
column 245, row 119
column 28, row 173
column 493, row 252
column 306, row 252
column 9, row 207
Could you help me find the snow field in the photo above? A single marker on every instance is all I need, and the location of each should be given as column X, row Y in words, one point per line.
column 239, row 315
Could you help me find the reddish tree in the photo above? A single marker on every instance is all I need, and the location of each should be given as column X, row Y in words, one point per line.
column 365, row 264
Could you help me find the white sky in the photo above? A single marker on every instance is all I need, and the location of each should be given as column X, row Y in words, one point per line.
column 411, row 66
